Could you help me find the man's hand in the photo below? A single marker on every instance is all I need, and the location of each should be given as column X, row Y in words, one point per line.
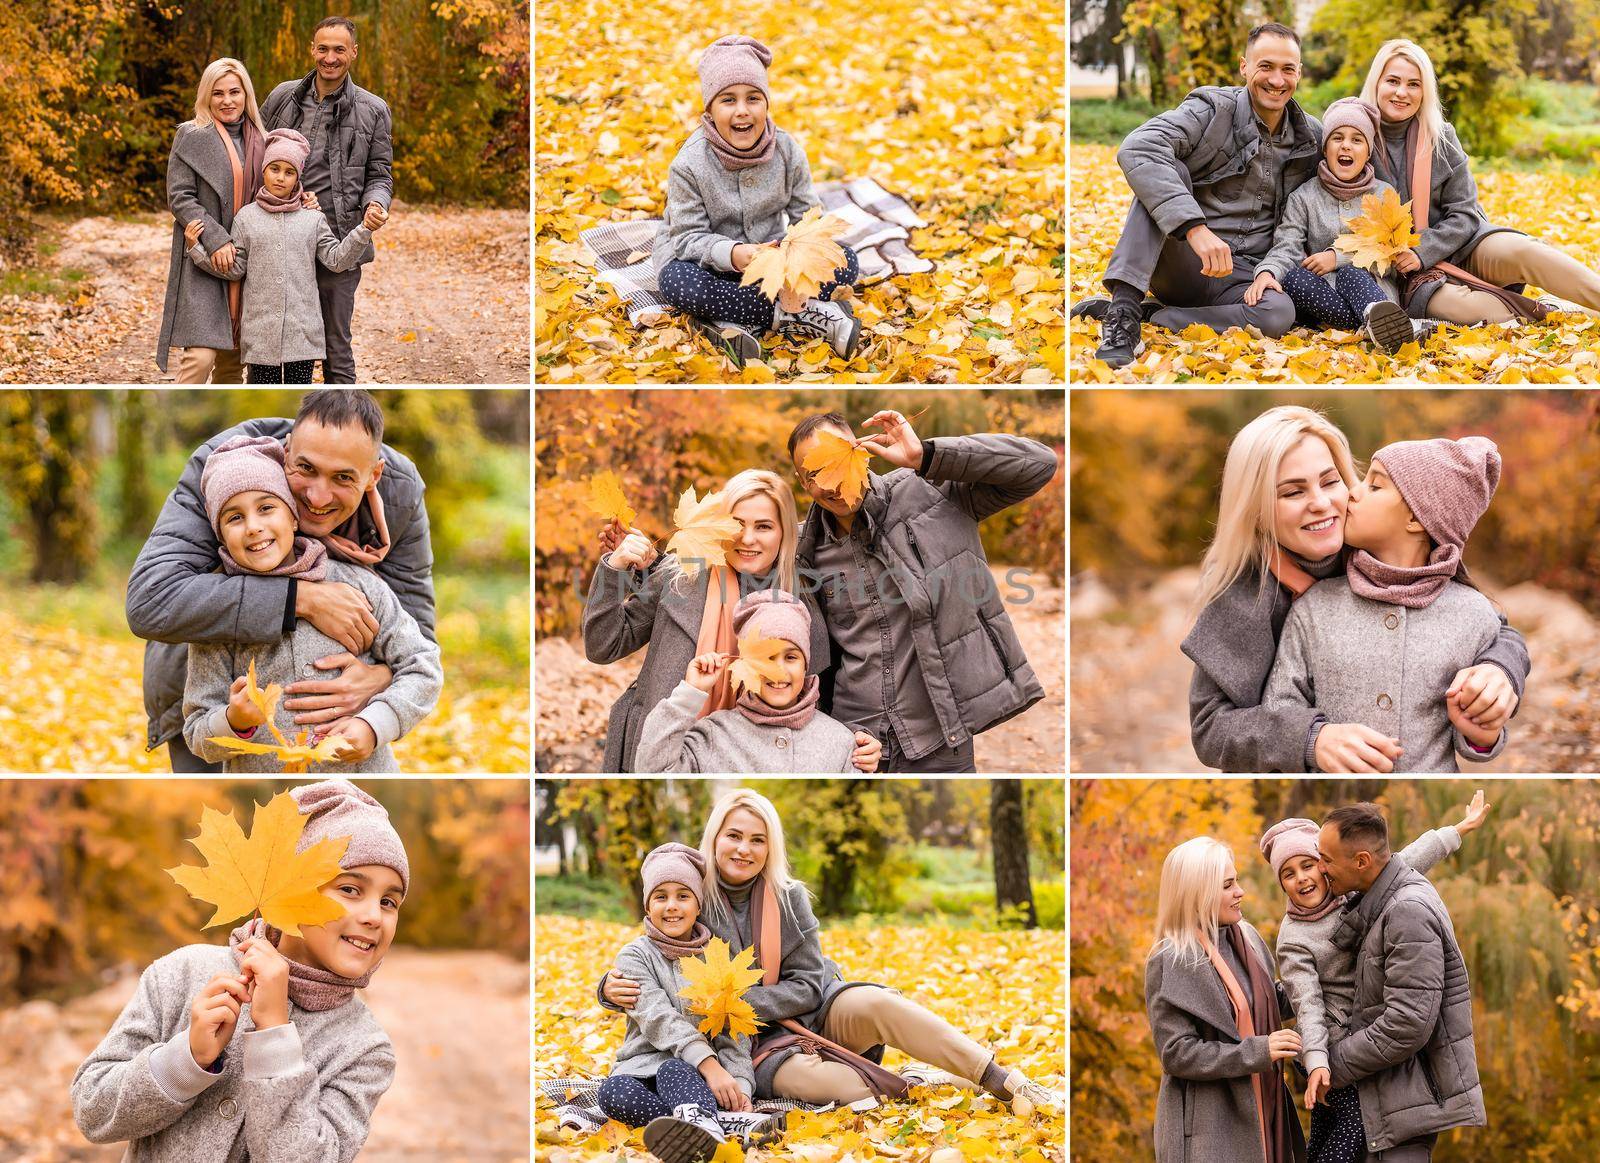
column 1216, row 259
column 243, row 714
column 1354, row 748
column 327, row 700
column 360, row 739
column 1474, row 734
column 1316, row 1086
column 267, row 974
column 222, row 258
column 898, row 445
column 1321, row 263
column 1407, row 262
column 340, row 611
column 213, row 1015
column 868, row 752
column 1484, row 694
column 375, row 217
column 620, row 991
column 1476, row 811
column 1263, row 282
column 192, row 233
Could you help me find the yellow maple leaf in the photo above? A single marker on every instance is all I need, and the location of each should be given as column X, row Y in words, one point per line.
column 716, row 986
column 838, row 465
column 606, row 499
column 263, row 874
column 757, row 660
column 795, row 269
column 297, row 754
column 1380, row 233
column 704, row 528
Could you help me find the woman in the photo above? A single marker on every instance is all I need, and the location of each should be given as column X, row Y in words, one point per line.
column 640, row 598
column 747, row 881
column 1215, row 1012
column 1463, row 264
column 1280, row 529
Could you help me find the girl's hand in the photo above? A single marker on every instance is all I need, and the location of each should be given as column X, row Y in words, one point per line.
column 1476, row 811
column 635, row 552
column 192, row 232
column 267, row 974
column 704, row 669
column 1283, row 1044
column 743, row 252
column 1316, row 1086
column 1320, row 263
column 375, row 216
column 1263, row 282
column 360, row 739
column 213, row 1015
column 1407, row 262
column 1484, row 694
column 867, row 754
column 620, row 991
column 1474, row 734
column 242, row 713
column 729, row 1096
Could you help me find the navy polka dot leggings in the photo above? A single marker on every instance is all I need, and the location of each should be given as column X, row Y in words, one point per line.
column 1341, row 305
column 298, row 372
column 717, row 295
column 1337, row 1135
column 636, row 1101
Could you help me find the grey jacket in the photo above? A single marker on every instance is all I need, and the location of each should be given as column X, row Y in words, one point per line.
column 301, row 1093
column 672, row 739
column 1410, row 1051
column 199, row 186
column 1206, row 1108
column 1362, row 661
column 175, row 596
column 281, row 316
column 1456, row 220
column 393, row 712
column 1320, row 977
column 659, row 1025
column 710, row 208
column 1311, row 220
column 926, row 532
column 362, row 157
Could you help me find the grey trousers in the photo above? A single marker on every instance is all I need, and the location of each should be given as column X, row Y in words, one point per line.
column 337, row 291
column 946, row 759
column 1411, row 1151
column 186, row 762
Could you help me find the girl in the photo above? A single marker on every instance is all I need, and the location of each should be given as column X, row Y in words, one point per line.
column 777, row 729
column 737, row 184
column 1325, row 286
column 639, row 598
column 1280, row 527
column 280, row 331
column 251, row 509
column 668, row 1078
column 1379, row 645
column 1214, row 1011
column 261, row 1050
column 747, row 884
column 1320, row 977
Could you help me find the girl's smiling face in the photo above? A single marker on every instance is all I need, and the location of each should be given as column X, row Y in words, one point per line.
column 741, row 847
column 1309, row 515
column 673, row 908
column 1399, row 90
column 755, row 549
column 740, row 114
column 784, row 693
column 351, row 946
column 1302, row 879
column 257, row 530
column 1347, row 152
column 280, row 179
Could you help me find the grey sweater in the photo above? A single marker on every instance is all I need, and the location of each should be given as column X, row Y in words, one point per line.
column 400, row 644
column 1361, row 661
column 659, row 1025
column 725, row 741
column 1320, row 977
column 300, row 1093
column 1312, row 219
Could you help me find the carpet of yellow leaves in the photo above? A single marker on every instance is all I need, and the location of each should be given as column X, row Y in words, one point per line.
column 956, row 106
column 1556, row 207
column 1005, row 989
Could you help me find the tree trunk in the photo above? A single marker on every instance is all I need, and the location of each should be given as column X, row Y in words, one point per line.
column 837, row 889
column 1156, row 55
column 1008, row 835
column 46, row 461
column 133, row 434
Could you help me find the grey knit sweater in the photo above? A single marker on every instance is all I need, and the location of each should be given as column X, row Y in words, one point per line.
column 300, row 1093
column 725, row 741
column 1320, row 977
column 1312, row 218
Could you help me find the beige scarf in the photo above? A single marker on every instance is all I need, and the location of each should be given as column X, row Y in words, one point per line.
column 716, row 633
column 1247, row 1029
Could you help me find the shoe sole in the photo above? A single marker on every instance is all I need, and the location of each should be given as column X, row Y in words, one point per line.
column 745, row 346
column 851, row 340
column 673, row 1141
column 1138, row 350
column 1390, row 327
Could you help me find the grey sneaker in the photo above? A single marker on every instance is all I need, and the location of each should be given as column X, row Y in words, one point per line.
column 688, row 1135
column 820, row 319
column 1387, row 325
column 734, row 341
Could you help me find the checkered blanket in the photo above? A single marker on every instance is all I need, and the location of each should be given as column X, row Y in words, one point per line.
column 880, row 229
column 578, row 1106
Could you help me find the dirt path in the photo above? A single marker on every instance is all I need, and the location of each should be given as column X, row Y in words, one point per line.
column 1130, row 683
column 446, row 301
column 459, row 1022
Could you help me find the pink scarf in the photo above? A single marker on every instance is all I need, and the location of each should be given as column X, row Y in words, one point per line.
column 1415, row 587
column 1344, row 191
column 740, row 159
column 1329, row 903
column 308, row 561
column 342, row 541
column 273, row 204
column 310, row 989
column 795, row 716
column 673, row 948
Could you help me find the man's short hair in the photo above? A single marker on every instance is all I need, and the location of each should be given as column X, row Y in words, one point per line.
column 341, row 407
column 811, row 423
column 1271, row 28
column 1362, row 825
column 343, row 22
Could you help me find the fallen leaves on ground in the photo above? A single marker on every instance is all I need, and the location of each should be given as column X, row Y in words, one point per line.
column 715, row 989
column 1554, row 207
column 1004, row 989
column 1379, row 234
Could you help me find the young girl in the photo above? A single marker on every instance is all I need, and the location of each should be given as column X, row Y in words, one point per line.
column 1320, row 977
column 776, row 730
column 1325, row 286
column 280, row 329
column 250, row 506
column 737, row 184
column 261, row 1050
column 1383, row 644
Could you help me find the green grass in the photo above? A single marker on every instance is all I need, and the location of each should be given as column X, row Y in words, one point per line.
column 62, row 284
column 579, row 897
column 1106, row 121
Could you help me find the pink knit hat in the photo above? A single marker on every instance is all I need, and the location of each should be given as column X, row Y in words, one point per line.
column 1353, row 113
column 774, row 614
column 241, row 465
column 286, row 145
column 1287, row 839
column 338, row 807
column 1446, row 483
column 733, row 60
column 673, row 864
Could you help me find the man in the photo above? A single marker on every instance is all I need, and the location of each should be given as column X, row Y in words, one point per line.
column 1210, row 180
column 924, row 654
column 359, row 497
column 348, row 169
column 1409, row 1051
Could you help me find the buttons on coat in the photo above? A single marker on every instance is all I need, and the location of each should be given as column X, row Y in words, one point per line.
column 308, row 670
column 783, row 741
column 228, row 1109
column 1385, row 702
column 1391, row 620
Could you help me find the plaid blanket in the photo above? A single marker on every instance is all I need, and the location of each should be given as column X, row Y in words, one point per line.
column 880, row 229
column 584, row 1093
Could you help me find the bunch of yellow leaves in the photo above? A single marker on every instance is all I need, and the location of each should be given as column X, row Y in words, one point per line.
column 606, row 499
column 757, row 660
column 704, row 528
column 794, row 270
column 296, row 755
column 1380, row 234
column 716, row 988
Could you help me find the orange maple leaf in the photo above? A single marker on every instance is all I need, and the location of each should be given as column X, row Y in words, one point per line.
column 794, row 270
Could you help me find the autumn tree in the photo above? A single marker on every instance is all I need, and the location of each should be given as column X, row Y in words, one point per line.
column 46, row 463
column 1008, row 835
column 847, row 838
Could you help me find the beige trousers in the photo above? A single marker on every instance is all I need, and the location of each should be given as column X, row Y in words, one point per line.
column 196, row 365
column 866, row 1016
column 1507, row 258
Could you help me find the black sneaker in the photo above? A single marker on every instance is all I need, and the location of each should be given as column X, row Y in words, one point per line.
column 1388, row 326
column 1120, row 343
column 1094, row 308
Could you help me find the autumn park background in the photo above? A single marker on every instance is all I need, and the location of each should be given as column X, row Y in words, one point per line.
column 904, row 883
column 83, row 475
column 661, row 442
column 1146, row 471
column 1518, row 79
column 85, row 906
column 93, row 93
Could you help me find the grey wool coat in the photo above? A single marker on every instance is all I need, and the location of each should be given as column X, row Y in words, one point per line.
column 1206, row 1109
column 1410, row 1052
column 277, row 255
column 1311, row 220
column 672, row 739
column 301, row 1093
column 175, row 596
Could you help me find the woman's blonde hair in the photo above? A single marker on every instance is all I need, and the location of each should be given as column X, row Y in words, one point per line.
column 776, row 870
column 1186, row 905
column 1245, row 540
column 215, row 71
column 756, row 482
column 1429, row 118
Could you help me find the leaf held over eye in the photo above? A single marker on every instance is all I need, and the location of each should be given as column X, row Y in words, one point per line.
column 704, row 528
column 757, row 660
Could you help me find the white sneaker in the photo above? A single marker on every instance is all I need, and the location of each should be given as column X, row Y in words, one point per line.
column 820, row 319
column 1019, row 1083
column 752, row 1127
column 688, row 1135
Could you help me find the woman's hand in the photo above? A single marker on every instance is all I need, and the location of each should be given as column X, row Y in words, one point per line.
column 360, row 739
column 1316, row 1086
column 375, row 216
column 636, row 551
column 729, row 1096
column 213, row 1015
column 192, row 233
column 1407, row 262
column 1259, row 286
column 620, row 991
column 1321, row 263
column 1355, row 749
column 267, row 974
column 308, row 200
column 1476, row 811
column 899, row 444
column 242, row 713
column 1484, row 694
column 222, row 258
column 704, row 669
column 867, row 754
column 1283, row 1044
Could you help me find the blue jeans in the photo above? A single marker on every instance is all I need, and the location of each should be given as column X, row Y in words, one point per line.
column 636, row 1101
column 1342, row 305
column 717, row 295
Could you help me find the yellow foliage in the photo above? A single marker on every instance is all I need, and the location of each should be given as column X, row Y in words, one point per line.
column 715, row 986
column 606, row 499
column 1379, row 234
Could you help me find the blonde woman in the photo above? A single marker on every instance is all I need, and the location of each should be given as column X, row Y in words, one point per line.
column 1463, row 266
column 747, row 880
column 1215, row 1012
column 1280, row 529
column 639, row 597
